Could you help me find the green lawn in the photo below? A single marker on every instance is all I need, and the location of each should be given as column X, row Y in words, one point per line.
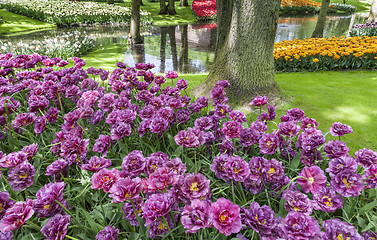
column 360, row 5
column 348, row 97
column 15, row 23
column 184, row 14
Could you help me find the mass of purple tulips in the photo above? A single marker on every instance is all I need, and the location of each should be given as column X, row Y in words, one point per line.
column 89, row 154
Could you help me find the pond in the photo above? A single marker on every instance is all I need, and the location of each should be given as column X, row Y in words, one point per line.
column 184, row 48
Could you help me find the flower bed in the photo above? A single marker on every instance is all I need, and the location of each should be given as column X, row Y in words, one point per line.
column 63, row 46
column 326, row 54
column 367, row 29
column 133, row 159
column 66, row 13
column 204, row 10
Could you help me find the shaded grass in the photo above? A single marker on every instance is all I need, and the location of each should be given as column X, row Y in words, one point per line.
column 347, row 97
column 184, row 14
column 15, row 23
column 360, row 6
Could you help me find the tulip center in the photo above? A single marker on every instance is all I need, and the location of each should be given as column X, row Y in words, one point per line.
column 127, row 195
column 269, row 143
column 311, row 179
column 341, row 237
column 194, row 187
column 224, row 216
column 327, row 201
column 46, row 207
column 22, row 175
column 348, row 185
column 1, row 207
column 162, row 226
column 271, row 171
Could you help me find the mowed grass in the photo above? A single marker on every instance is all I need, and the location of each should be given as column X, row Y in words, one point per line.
column 15, row 23
column 184, row 14
column 360, row 5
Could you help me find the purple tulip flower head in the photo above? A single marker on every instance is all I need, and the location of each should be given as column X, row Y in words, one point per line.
column 190, row 138
column 296, row 114
column 105, row 179
column 289, row 129
column 297, row 202
column 218, row 167
column 259, row 101
column 337, row 165
column 17, row 215
column 194, row 186
column 232, row 129
column 56, row 227
column 366, row 157
column 335, row 149
column 57, row 169
column 347, row 183
column 96, row 163
column 268, row 144
column 157, row 206
column 301, row 226
column 368, row 235
column 340, row 129
column 225, row 216
column 161, row 179
column 133, row 164
column 108, row 233
column 272, row 171
column 5, row 203
column 21, row 176
column 195, row 216
column 261, row 219
column 327, row 200
column 237, row 169
column 45, row 204
column 30, row 150
column 314, row 179
column 337, row 229
column 125, row 188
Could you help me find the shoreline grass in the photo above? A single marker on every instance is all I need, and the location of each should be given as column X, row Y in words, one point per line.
column 15, row 23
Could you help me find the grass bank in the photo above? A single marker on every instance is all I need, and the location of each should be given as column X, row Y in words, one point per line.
column 15, row 23
column 361, row 6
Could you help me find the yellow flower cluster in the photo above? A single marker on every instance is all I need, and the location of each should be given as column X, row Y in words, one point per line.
column 332, row 47
column 299, row 3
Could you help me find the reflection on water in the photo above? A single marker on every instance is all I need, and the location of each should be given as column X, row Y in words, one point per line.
column 189, row 48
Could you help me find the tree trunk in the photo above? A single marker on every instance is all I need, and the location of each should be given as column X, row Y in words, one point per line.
column 135, row 37
column 183, row 3
column 173, row 47
column 163, row 8
column 171, row 7
column 138, row 53
column 183, row 56
column 245, row 46
column 110, row 1
column 318, row 31
column 162, row 49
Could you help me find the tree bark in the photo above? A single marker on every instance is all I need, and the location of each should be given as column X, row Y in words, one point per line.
column 183, row 56
column 163, row 8
column 171, row 7
column 163, row 50
column 135, row 36
column 319, row 27
column 245, row 45
column 183, row 3
column 138, row 53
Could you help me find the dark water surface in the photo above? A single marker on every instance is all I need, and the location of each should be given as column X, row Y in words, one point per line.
column 189, row 48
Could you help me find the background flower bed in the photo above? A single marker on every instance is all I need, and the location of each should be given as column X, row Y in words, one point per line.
column 125, row 148
column 367, row 29
column 205, row 10
column 326, row 54
column 66, row 13
column 64, row 46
